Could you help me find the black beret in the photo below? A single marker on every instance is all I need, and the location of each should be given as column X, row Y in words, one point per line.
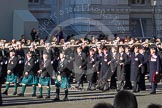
column 141, row 47
column 152, row 46
column 12, row 50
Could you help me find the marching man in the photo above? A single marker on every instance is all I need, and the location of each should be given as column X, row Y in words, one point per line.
column 30, row 77
column 154, row 67
column 11, row 73
column 62, row 78
column 44, row 75
column 136, row 60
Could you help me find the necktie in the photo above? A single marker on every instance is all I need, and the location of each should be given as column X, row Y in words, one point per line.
column 3, row 53
column 61, row 63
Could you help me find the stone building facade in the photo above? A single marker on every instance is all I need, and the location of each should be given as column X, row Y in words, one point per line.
column 125, row 17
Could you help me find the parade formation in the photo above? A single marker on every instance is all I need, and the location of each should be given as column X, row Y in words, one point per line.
column 119, row 63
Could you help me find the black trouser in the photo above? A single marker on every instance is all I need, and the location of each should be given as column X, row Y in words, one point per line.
column 142, row 82
column 153, row 87
column 113, row 81
column 136, row 86
column 80, row 81
column 128, row 83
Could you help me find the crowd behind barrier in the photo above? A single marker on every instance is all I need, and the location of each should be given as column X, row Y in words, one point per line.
column 118, row 63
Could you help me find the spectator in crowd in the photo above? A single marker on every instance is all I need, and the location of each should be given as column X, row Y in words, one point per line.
column 22, row 38
column 103, row 105
column 34, row 34
column 125, row 99
column 54, row 40
column 42, row 42
column 59, row 34
column 28, row 42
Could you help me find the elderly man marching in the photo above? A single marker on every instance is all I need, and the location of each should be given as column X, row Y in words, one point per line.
column 62, row 78
column 154, row 67
column 30, row 76
column 136, row 60
column 44, row 75
column 11, row 73
column 121, row 59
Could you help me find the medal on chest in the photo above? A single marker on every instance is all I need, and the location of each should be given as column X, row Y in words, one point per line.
column 136, row 59
column 121, row 58
column 153, row 58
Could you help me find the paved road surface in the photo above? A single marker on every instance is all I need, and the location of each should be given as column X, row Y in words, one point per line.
column 78, row 99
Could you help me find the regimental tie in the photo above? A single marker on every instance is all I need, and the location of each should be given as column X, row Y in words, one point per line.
column 3, row 53
column 10, row 60
column 43, row 64
column 114, row 55
column 61, row 63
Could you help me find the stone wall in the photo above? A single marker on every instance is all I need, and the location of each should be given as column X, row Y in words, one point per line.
column 117, row 15
column 6, row 16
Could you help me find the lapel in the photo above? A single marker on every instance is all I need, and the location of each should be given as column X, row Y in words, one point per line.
column 28, row 61
column 10, row 59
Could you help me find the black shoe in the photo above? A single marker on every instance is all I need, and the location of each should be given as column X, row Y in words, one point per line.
column 33, row 95
column 113, row 87
column 89, row 89
column 65, row 99
column 134, row 91
column 98, row 87
column 101, row 88
column 106, row 88
column 47, row 97
column 156, row 85
column 21, row 95
column 15, row 93
column 93, row 89
column 128, row 88
column 138, row 91
column 77, row 87
column 40, row 96
column 143, row 89
column 153, row 92
column 56, row 99
column 5, row 93
column 118, row 90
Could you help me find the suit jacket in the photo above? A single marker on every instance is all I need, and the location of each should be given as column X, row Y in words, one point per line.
column 12, row 63
column 105, row 72
column 80, row 60
column 145, row 66
column 136, row 60
column 36, row 57
column 29, row 66
column 3, row 53
column 113, row 63
column 91, row 61
column 121, row 58
column 21, row 58
column 104, row 62
column 63, row 67
column 47, row 68
column 154, row 65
